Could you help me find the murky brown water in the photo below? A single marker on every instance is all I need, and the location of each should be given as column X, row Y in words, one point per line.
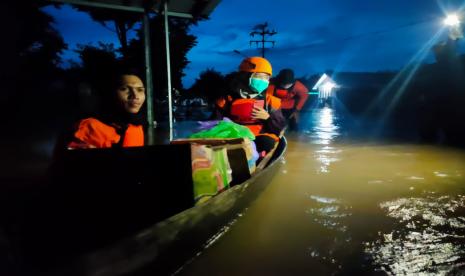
column 349, row 208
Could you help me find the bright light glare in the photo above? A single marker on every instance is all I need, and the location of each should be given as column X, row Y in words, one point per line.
column 328, row 86
column 452, row 20
column 326, row 118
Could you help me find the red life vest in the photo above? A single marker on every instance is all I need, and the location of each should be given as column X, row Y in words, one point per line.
column 240, row 110
column 294, row 97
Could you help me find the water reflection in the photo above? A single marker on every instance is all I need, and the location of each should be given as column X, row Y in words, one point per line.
column 322, row 128
column 329, row 212
column 326, row 156
column 322, row 131
column 429, row 236
column 349, row 208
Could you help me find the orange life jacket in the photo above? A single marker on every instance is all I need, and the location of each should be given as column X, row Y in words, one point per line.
column 92, row 133
column 294, row 97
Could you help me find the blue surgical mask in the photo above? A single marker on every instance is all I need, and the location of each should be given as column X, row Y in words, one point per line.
column 258, row 85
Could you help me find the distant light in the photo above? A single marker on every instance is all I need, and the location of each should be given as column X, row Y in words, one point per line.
column 326, row 118
column 328, row 86
column 452, row 20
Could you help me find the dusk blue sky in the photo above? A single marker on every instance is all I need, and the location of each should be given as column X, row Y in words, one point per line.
column 313, row 36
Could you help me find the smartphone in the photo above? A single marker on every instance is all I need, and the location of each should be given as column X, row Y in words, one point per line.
column 259, row 103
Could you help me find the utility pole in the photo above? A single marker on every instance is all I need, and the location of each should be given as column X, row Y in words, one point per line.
column 261, row 30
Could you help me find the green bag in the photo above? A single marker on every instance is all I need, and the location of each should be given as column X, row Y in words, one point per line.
column 211, row 172
column 225, row 129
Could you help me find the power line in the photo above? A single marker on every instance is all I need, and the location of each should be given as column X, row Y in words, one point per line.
column 261, row 29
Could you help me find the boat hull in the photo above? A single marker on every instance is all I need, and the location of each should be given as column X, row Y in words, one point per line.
column 113, row 215
column 165, row 247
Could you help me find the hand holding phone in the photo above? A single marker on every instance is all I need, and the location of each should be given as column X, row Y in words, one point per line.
column 258, row 112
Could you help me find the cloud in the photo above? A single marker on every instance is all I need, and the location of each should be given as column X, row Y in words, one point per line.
column 312, row 35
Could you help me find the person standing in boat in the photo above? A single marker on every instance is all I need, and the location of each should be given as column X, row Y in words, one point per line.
column 246, row 103
column 293, row 95
column 120, row 122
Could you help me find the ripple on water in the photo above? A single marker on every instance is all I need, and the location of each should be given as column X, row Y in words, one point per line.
column 332, row 214
column 326, row 156
column 440, row 174
column 429, row 236
column 329, row 212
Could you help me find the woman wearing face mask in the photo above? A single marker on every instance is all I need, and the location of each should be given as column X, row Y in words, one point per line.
column 247, row 103
column 293, row 95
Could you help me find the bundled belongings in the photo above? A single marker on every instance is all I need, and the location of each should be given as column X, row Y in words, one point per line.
column 218, row 164
column 228, row 130
column 211, row 172
column 224, row 129
column 223, row 154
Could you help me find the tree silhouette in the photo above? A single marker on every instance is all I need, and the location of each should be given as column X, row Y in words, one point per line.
column 122, row 21
column 210, row 85
column 32, row 53
column 97, row 63
column 180, row 44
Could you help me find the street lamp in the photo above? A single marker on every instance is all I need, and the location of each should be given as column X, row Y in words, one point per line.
column 452, row 20
column 454, row 24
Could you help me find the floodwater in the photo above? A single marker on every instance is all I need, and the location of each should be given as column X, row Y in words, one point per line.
column 342, row 206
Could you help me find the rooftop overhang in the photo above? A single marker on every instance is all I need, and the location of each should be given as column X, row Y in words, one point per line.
column 178, row 8
column 324, row 79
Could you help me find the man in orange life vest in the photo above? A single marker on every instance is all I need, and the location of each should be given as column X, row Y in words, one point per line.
column 293, row 95
column 246, row 104
column 121, row 123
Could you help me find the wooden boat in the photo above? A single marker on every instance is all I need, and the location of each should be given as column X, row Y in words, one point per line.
column 128, row 212
column 121, row 211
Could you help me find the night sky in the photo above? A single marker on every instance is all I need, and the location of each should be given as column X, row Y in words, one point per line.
column 313, row 36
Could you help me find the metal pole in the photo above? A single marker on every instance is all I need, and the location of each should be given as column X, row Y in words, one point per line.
column 148, row 77
column 168, row 68
column 263, row 46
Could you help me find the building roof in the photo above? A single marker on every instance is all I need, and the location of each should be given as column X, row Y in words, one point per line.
column 323, row 79
column 182, row 8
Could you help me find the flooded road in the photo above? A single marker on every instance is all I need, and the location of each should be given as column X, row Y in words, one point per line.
column 342, row 206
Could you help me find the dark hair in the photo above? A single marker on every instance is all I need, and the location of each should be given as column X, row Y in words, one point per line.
column 108, row 83
column 115, row 78
column 238, row 81
column 285, row 76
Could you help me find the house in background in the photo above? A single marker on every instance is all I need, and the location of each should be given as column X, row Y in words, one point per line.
column 324, row 88
column 353, row 89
